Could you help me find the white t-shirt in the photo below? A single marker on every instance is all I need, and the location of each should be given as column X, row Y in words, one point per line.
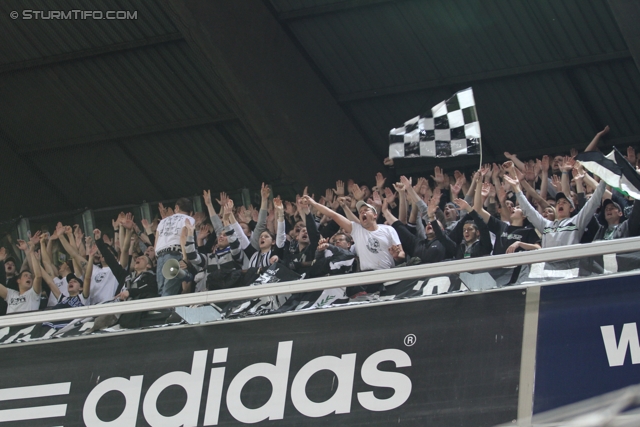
column 63, row 286
column 372, row 247
column 169, row 230
column 16, row 303
column 103, row 285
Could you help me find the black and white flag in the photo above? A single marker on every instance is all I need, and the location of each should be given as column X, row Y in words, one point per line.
column 451, row 128
column 614, row 169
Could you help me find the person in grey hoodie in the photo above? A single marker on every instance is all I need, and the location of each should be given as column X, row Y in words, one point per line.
column 617, row 229
column 565, row 229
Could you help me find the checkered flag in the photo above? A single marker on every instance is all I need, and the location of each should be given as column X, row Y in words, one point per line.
column 451, row 128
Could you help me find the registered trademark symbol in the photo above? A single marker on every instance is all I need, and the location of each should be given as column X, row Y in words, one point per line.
column 409, row 340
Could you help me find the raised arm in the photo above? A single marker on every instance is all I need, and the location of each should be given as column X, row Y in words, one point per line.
column 345, row 204
column 343, row 222
column 117, row 269
column 46, row 258
column 127, row 225
column 538, row 221
column 516, row 161
column 86, row 285
column 37, row 273
column 63, row 234
column 46, row 277
column 477, row 199
column 281, row 236
column 593, row 145
column 261, row 225
column 402, row 202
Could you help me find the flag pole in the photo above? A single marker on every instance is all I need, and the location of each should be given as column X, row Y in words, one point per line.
column 480, row 167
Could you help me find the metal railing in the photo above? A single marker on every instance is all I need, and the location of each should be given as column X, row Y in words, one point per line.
column 320, row 283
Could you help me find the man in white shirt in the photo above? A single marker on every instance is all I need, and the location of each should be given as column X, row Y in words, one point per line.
column 168, row 244
column 377, row 245
column 27, row 297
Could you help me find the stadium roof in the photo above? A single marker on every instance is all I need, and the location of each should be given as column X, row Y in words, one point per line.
column 186, row 95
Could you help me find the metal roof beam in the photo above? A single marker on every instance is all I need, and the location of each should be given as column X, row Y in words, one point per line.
column 312, row 12
column 128, row 133
column 90, row 53
column 484, row 76
column 627, row 15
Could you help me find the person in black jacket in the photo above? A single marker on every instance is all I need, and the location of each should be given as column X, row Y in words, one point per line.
column 139, row 284
column 299, row 257
column 428, row 249
column 469, row 239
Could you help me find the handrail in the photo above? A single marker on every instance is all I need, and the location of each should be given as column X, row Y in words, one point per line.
column 320, row 283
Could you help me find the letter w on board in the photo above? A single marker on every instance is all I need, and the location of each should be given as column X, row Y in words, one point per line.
column 617, row 350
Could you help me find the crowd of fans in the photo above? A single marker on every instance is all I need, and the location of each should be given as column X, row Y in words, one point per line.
column 521, row 205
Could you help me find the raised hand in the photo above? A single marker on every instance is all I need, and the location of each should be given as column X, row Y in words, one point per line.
column 22, row 245
column 486, row 187
column 339, row 188
column 35, row 238
column 357, row 192
column 389, row 195
column 438, row 176
column 223, row 199
column 206, row 197
column 604, row 131
column 434, row 202
column 578, row 173
column 545, row 163
column 400, row 188
column 304, row 204
column 455, row 189
column 97, row 234
column 228, row 209
column 513, row 181
column 380, row 180
column 388, row 161
column 566, row 164
column 203, row 233
column 485, row 169
column 277, row 205
column 128, row 221
column 463, row 204
column 376, row 201
column 92, row 250
column 265, row 191
column 423, row 186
